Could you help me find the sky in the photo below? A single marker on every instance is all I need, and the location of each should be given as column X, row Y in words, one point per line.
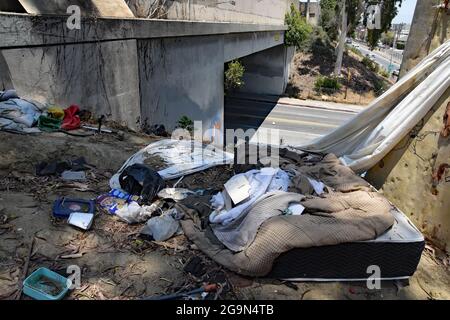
column 406, row 12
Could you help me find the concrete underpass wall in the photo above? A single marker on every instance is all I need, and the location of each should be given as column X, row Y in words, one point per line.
column 267, row 72
column 102, row 77
column 182, row 76
column 133, row 71
column 405, row 175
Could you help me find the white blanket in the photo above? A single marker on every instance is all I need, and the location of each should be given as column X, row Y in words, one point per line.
column 261, row 182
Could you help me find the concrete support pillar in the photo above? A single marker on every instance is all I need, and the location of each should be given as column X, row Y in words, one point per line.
column 182, row 77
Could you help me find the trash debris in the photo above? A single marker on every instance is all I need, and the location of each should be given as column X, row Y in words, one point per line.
column 260, row 181
column 8, row 94
column 180, row 157
column 63, row 207
column 162, row 227
column 72, row 256
column 238, row 189
column 138, row 179
column 49, row 124
column 73, row 175
column 56, row 113
column 96, row 129
column 123, row 195
column 294, row 209
column 157, row 130
column 110, row 203
column 195, row 266
column 126, row 207
column 71, row 119
column 19, row 114
column 58, row 167
column 44, row 284
column 129, row 212
column 175, row 194
column 81, row 220
column 318, row 186
column 186, row 295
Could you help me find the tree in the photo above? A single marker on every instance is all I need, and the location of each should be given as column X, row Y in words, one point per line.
column 387, row 38
column 328, row 20
column 299, row 31
column 350, row 12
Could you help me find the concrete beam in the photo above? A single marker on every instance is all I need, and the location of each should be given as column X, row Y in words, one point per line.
column 21, row 30
column 99, row 8
column 240, row 45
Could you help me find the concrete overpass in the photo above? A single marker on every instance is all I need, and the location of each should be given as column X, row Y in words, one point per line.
column 139, row 71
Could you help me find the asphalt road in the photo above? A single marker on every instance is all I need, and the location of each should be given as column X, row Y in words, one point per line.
column 381, row 60
column 286, row 121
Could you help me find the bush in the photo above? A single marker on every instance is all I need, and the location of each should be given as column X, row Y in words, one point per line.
column 186, row 123
column 379, row 87
column 370, row 64
column 327, row 83
column 299, row 30
column 384, row 73
column 233, row 75
column 355, row 51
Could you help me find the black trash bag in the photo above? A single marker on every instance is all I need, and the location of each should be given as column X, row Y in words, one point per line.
column 140, row 180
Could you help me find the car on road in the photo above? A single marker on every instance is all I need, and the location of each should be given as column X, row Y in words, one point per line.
column 395, row 73
column 348, row 41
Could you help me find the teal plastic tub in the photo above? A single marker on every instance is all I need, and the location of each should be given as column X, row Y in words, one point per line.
column 44, row 284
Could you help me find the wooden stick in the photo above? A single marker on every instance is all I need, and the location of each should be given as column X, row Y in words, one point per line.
column 25, row 269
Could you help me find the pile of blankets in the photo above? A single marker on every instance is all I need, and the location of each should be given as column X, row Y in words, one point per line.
column 29, row 116
column 323, row 203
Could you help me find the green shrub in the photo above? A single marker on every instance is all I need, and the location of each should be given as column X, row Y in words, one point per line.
column 379, row 87
column 327, row 83
column 384, row 73
column 233, row 75
column 186, row 123
column 370, row 64
column 299, row 30
column 355, row 51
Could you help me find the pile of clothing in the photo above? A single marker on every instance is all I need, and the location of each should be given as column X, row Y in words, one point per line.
column 18, row 114
column 308, row 201
column 29, row 116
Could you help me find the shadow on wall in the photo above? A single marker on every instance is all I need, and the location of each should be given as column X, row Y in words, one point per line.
column 11, row 6
column 245, row 111
column 5, row 74
column 444, row 32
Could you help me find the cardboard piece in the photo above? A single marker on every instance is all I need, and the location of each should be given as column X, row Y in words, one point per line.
column 238, row 189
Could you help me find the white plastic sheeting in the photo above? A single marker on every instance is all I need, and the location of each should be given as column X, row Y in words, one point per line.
column 368, row 137
column 181, row 157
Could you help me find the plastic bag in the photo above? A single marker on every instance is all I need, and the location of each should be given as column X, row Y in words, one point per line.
column 139, row 179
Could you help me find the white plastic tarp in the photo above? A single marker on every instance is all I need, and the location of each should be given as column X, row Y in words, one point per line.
column 368, row 137
column 181, row 157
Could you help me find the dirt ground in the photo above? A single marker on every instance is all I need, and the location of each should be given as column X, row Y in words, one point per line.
column 306, row 67
column 115, row 262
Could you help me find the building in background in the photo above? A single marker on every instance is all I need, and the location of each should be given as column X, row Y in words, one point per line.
column 311, row 10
